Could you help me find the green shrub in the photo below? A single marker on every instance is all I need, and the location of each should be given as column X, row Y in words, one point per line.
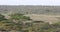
column 19, row 16
column 2, row 17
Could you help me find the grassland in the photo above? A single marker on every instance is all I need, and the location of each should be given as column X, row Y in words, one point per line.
column 29, row 18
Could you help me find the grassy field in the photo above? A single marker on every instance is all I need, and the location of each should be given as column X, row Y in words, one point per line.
column 29, row 18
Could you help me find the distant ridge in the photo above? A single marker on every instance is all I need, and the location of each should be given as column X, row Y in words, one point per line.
column 30, row 9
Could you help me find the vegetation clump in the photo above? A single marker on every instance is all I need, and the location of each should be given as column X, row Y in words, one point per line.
column 2, row 17
column 19, row 16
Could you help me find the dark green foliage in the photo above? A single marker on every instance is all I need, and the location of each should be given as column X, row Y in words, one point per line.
column 46, row 26
column 25, row 31
column 2, row 17
column 56, row 25
column 38, row 21
column 47, row 10
column 27, row 18
column 19, row 16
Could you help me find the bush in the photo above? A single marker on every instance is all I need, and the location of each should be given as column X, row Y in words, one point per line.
column 19, row 16
column 2, row 17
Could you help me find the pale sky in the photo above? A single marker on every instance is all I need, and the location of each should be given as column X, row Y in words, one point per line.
column 29, row 2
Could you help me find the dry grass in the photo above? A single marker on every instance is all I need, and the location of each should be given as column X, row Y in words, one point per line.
column 47, row 18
